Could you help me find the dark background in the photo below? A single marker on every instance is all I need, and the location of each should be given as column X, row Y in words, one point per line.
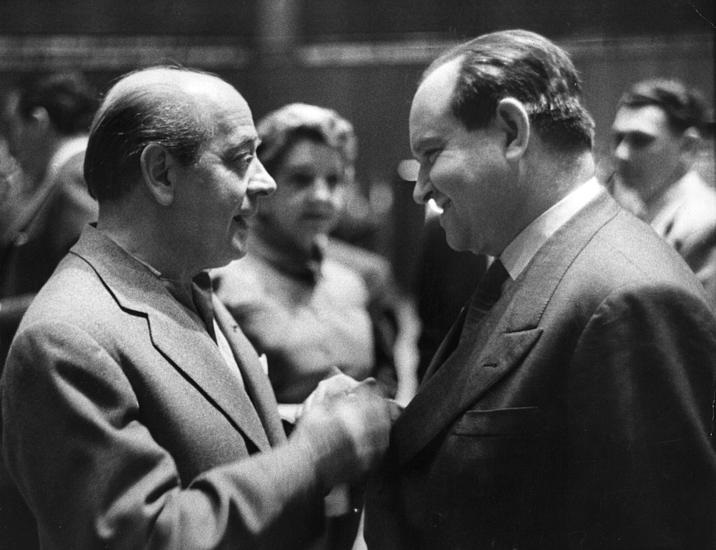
column 360, row 57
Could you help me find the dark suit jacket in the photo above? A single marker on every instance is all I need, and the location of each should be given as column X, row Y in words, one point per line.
column 444, row 281
column 124, row 427
column 577, row 415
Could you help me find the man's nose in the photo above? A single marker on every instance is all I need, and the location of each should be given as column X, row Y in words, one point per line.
column 261, row 183
column 422, row 190
column 622, row 151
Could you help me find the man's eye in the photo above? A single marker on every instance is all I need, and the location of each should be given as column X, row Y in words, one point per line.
column 431, row 155
column 640, row 141
column 242, row 162
column 333, row 180
column 300, row 179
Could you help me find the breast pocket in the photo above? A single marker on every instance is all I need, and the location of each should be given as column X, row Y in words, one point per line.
column 499, row 432
column 499, row 422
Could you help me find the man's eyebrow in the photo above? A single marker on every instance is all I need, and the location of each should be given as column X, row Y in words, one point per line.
column 423, row 143
column 249, row 143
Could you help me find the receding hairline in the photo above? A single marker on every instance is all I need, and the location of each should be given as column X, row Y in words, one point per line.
column 185, row 85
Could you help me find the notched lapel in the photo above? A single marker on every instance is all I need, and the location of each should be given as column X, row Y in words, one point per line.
column 508, row 349
column 464, row 378
column 186, row 347
column 256, row 381
column 456, row 386
column 193, row 353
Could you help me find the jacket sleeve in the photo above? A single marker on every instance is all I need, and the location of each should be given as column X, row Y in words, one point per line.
column 640, row 402
column 95, row 477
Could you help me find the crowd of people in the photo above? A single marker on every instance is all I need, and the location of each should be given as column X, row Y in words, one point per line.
column 192, row 360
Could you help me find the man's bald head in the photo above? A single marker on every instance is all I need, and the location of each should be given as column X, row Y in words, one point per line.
column 163, row 105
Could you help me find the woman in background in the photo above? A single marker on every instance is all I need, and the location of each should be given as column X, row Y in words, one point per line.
column 308, row 310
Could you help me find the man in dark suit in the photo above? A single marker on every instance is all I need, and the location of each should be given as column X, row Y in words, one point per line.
column 657, row 133
column 571, row 405
column 135, row 412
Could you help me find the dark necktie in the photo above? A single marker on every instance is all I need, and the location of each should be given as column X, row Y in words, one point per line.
column 488, row 291
column 486, row 294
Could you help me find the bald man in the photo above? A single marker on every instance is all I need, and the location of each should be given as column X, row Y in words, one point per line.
column 135, row 412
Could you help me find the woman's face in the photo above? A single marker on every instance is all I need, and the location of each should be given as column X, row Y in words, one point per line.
column 309, row 194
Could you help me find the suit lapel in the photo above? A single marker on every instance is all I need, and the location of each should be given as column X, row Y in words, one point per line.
column 501, row 341
column 467, row 375
column 172, row 331
column 449, row 343
column 255, row 380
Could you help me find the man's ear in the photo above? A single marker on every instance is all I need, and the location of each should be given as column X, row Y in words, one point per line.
column 40, row 118
column 513, row 120
column 156, row 162
column 690, row 140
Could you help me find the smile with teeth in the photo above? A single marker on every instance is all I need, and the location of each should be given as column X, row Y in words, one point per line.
column 442, row 205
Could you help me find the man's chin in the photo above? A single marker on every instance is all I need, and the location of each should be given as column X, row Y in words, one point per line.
column 455, row 241
column 237, row 252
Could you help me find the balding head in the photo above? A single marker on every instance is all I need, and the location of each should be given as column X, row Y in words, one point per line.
column 163, row 105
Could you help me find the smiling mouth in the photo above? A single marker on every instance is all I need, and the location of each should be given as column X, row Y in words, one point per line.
column 443, row 205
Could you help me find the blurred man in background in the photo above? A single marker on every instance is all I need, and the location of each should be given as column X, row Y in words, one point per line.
column 45, row 120
column 657, row 132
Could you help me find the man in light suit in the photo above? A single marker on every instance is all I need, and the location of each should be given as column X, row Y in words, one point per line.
column 576, row 410
column 657, row 132
column 135, row 412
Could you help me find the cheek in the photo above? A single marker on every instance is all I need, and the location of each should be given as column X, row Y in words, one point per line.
column 338, row 199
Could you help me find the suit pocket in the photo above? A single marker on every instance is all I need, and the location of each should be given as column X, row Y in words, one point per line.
column 497, row 447
column 515, row 422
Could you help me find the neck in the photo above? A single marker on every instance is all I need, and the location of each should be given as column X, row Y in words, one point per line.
column 147, row 242
column 544, row 184
column 298, row 249
column 653, row 195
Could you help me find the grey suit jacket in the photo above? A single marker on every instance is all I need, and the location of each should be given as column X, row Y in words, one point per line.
column 687, row 221
column 577, row 414
column 124, row 427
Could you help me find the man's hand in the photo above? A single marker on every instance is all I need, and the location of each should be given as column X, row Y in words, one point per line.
column 336, row 385
column 346, row 430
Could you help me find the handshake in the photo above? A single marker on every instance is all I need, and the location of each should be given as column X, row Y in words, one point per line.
column 345, row 426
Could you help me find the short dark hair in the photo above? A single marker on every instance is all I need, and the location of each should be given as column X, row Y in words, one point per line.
column 279, row 130
column 129, row 120
column 530, row 68
column 68, row 98
column 684, row 106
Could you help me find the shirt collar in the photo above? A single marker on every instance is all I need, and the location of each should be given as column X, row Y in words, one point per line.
column 660, row 213
column 198, row 304
column 522, row 249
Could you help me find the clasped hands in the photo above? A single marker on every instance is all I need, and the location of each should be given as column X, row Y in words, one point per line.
column 345, row 424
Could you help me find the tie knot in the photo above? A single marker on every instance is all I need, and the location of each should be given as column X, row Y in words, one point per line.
column 489, row 288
